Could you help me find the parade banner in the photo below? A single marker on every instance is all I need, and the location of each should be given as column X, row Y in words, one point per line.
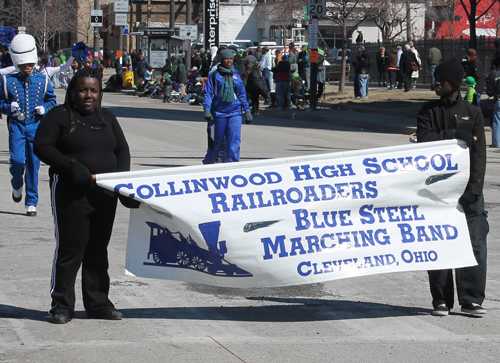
column 300, row 220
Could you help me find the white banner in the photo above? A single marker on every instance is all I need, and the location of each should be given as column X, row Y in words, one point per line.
column 300, row 220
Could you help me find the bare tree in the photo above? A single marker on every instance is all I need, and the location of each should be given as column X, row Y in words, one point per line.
column 43, row 19
column 470, row 8
column 443, row 14
column 393, row 18
column 282, row 14
column 85, row 30
column 348, row 15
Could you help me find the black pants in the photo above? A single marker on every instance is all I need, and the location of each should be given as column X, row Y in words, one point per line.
column 254, row 96
column 407, row 81
column 381, row 78
column 83, row 223
column 400, row 79
column 471, row 281
column 392, row 77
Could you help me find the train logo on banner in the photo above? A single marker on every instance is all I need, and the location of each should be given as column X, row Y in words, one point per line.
column 172, row 249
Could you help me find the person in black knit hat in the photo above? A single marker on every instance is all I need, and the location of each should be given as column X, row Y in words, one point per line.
column 451, row 117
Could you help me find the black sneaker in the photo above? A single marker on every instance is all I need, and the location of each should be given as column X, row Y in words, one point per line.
column 473, row 308
column 111, row 314
column 17, row 195
column 441, row 310
column 60, row 318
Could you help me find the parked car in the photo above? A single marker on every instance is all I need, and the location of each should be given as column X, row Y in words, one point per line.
column 335, row 56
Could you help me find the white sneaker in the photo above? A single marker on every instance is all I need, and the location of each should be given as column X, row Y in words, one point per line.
column 17, row 194
column 31, row 210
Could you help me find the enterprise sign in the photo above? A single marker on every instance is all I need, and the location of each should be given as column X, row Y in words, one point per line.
column 211, row 23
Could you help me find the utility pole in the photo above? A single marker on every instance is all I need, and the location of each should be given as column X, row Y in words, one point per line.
column 408, row 21
column 149, row 12
column 96, row 33
column 172, row 23
column 189, row 5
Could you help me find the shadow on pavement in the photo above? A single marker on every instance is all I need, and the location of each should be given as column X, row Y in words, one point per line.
column 295, row 310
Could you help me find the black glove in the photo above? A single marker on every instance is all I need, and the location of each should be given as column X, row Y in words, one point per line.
column 467, row 199
column 207, row 115
column 466, row 136
column 248, row 118
column 80, row 175
column 129, row 202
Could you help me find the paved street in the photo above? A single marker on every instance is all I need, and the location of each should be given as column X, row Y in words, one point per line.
column 381, row 318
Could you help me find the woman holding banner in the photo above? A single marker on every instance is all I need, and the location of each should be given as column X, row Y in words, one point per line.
column 79, row 139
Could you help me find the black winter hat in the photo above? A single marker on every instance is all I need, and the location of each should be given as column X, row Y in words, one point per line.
column 452, row 70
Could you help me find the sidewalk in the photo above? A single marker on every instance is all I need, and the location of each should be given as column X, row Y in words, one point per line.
column 374, row 120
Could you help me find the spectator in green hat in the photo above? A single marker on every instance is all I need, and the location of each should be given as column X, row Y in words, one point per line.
column 470, row 95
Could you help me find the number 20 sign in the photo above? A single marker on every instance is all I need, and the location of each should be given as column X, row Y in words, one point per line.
column 316, row 7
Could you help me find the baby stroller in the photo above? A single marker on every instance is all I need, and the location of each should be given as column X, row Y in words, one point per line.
column 300, row 98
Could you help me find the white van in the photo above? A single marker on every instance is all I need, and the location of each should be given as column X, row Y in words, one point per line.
column 242, row 43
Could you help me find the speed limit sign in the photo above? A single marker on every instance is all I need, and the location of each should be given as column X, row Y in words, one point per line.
column 316, row 7
column 96, row 18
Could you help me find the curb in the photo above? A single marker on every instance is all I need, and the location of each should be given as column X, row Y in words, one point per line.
column 328, row 116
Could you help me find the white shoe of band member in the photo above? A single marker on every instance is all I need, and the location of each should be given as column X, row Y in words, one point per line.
column 31, row 210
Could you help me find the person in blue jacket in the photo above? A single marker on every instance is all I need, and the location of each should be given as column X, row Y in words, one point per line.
column 224, row 99
column 26, row 97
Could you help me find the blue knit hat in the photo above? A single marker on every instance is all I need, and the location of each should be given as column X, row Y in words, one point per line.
column 226, row 53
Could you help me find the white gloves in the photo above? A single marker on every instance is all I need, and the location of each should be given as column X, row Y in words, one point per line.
column 14, row 106
column 39, row 110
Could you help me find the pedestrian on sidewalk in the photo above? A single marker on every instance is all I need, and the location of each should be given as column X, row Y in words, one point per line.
column 181, row 78
column 475, row 69
column 493, row 90
column 256, row 86
column 433, row 59
column 265, row 68
column 362, row 66
column 451, row 117
column 282, row 77
column 25, row 97
column 392, row 68
column 77, row 140
column 470, row 94
column 415, row 74
column 406, row 65
column 167, row 88
column 382, row 61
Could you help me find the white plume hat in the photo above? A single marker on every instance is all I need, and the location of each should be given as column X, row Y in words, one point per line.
column 23, row 50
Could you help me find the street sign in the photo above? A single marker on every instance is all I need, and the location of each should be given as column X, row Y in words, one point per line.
column 125, row 30
column 21, row 30
column 121, row 19
column 121, row 6
column 316, row 7
column 96, row 18
column 188, row 32
column 313, row 33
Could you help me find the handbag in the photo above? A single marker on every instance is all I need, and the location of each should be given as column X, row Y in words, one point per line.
column 414, row 66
